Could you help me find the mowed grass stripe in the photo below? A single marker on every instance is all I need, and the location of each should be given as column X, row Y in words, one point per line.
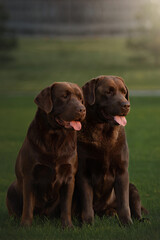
column 39, row 62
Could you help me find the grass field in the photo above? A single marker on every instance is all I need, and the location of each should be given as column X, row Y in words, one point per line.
column 40, row 62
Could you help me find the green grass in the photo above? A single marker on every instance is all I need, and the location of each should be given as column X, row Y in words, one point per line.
column 39, row 62
column 143, row 137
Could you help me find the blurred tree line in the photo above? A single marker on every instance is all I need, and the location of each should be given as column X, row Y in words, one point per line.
column 8, row 40
column 147, row 38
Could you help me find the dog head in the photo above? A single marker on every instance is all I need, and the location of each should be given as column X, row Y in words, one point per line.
column 107, row 99
column 63, row 103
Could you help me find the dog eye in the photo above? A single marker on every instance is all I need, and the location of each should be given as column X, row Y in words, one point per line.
column 123, row 91
column 109, row 91
column 65, row 96
column 80, row 98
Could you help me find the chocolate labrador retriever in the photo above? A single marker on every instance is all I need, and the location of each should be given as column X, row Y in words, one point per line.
column 47, row 161
column 102, row 179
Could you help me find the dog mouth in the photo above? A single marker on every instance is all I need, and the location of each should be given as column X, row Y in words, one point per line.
column 76, row 125
column 117, row 119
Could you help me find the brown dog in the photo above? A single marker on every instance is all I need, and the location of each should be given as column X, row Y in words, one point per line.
column 102, row 178
column 47, row 161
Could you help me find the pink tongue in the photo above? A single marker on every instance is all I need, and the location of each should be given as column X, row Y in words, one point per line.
column 76, row 125
column 121, row 120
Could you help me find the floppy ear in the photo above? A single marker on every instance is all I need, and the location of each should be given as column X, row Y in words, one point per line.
column 89, row 91
column 44, row 100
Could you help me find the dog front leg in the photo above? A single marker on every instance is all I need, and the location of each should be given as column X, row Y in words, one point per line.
column 86, row 198
column 66, row 203
column 28, row 203
column 122, row 197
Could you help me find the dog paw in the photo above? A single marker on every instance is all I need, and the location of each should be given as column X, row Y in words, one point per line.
column 124, row 220
column 88, row 218
column 26, row 223
column 67, row 224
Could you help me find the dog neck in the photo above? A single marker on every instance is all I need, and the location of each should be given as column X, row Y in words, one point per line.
column 98, row 133
column 41, row 133
column 94, row 121
column 44, row 121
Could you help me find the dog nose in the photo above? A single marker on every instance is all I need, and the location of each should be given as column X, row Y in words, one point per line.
column 125, row 104
column 82, row 109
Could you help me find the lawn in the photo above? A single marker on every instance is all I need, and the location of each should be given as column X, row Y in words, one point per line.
column 143, row 137
column 40, row 62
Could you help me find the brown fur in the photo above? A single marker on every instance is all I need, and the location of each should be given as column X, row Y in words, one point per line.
column 102, row 180
column 47, row 161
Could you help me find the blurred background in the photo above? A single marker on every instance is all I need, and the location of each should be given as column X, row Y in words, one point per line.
column 76, row 40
